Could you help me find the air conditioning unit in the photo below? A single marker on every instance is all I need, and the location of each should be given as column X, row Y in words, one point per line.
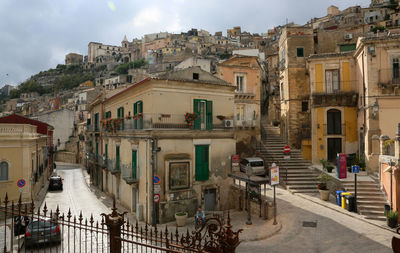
column 348, row 36
column 228, row 123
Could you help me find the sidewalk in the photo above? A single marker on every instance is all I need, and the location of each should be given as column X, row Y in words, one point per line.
column 259, row 230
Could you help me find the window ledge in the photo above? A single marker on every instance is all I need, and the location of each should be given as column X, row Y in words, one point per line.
column 130, row 180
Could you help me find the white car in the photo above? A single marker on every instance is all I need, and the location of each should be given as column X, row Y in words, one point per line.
column 256, row 163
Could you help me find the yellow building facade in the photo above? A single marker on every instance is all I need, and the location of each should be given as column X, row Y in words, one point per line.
column 334, row 100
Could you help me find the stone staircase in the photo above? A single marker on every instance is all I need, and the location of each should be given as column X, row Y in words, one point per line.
column 294, row 173
column 370, row 199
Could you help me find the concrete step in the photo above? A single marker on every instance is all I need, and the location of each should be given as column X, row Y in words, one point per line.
column 381, row 218
column 295, row 183
column 304, row 191
column 363, row 183
column 372, row 213
column 370, row 207
column 369, row 194
column 302, row 187
column 371, row 203
column 297, row 178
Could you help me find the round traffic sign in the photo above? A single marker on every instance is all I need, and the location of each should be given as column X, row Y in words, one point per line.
column 21, row 183
column 156, row 179
column 156, row 198
column 286, row 149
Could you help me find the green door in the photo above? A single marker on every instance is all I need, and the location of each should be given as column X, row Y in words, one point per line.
column 134, row 164
column 202, row 162
column 117, row 158
column 196, row 109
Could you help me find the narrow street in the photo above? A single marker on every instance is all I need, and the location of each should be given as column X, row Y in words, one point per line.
column 77, row 198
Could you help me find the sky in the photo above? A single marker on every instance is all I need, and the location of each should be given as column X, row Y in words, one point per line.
column 36, row 35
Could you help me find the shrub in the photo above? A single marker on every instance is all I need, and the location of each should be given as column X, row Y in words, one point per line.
column 392, row 215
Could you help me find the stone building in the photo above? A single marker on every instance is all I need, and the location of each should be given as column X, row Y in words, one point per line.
column 139, row 132
column 25, row 153
column 246, row 74
column 333, row 107
column 73, row 58
column 295, row 45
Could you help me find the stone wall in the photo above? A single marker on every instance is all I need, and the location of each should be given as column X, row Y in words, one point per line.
column 66, row 157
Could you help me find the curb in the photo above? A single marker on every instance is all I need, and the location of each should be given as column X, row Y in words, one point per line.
column 357, row 216
column 264, row 237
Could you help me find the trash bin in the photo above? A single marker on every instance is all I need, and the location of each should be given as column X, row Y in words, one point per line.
column 350, row 203
column 339, row 197
column 344, row 199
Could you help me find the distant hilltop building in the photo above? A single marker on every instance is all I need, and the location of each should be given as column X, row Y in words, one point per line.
column 73, row 58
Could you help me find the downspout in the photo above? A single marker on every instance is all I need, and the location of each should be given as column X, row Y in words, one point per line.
column 147, row 182
column 363, row 105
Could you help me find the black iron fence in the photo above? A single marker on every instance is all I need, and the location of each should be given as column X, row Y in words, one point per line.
column 23, row 228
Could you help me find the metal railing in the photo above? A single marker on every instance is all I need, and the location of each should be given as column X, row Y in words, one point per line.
column 110, row 233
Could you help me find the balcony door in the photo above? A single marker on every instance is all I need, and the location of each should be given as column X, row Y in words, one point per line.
column 396, row 69
column 334, row 148
column 332, row 80
column 334, row 122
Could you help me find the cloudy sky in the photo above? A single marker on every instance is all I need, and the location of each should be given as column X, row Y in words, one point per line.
column 35, row 35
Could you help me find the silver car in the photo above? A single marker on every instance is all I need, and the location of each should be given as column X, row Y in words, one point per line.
column 256, row 163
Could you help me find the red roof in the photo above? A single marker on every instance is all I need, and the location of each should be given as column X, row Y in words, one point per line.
column 42, row 128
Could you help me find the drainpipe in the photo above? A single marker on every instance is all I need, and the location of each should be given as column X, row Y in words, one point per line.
column 363, row 104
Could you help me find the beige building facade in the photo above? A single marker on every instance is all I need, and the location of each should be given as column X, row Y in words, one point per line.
column 144, row 133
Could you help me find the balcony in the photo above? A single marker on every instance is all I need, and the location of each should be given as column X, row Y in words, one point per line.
column 389, row 78
column 245, row 123
column 338, row 98
column 127, row 175
column 335, row 131
column 239, row 95
column 150, row 121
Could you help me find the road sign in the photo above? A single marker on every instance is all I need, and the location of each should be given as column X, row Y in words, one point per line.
column 355, row 169
column 286, row 157
column 156, row 179
column 235, row 163
column 157, row 188
column 21, row 183
column 274, row 175
column 286, row 149
column 156, row 198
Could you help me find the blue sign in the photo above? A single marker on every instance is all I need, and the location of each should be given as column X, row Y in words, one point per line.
column 156, row 179
column 21, row 183
column 355, row 169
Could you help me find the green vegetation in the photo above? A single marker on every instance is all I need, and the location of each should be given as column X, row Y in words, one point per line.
column 123, row 68
column 377, row 28
column 29, row 86
column 392, row 215
column 71, row 80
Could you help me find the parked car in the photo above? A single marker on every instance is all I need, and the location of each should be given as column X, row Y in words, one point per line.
column 42, row 231
column 256, row 163
column 20, row 224
column 55, row 183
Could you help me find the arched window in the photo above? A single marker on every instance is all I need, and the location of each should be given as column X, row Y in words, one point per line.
column 334, row 122
column 3, row 171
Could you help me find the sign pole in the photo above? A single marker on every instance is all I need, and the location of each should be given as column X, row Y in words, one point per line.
column 355, row 192
column 274, row 206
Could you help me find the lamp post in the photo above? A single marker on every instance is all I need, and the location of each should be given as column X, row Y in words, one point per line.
column 249, row 172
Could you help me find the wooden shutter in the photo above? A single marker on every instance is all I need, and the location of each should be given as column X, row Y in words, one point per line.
column 196, row 109
column 117, row 158
column 106, row 150
column 201, row 163
column 134, row 163
column 209, row 115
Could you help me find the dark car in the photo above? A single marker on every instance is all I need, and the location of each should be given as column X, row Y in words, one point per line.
column 42, row 231
column 20, row 224
column 55, row 183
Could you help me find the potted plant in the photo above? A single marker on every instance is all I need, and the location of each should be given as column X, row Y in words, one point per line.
column 392, row 218
column 180, row 218
column 190, row 118
column 323, row 187
column 329, row 168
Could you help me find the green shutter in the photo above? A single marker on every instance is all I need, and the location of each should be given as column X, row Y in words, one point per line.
column 201, row 163
column 135, row 109
column 106, row 151
column 196, row 109
column 134, row 163
column 209, row 114
column 117, row 158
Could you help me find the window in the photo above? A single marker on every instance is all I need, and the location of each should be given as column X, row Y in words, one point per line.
column 117, row 159
column 138, row 115
column 202, row 162
column 3, row 171
column 396, row 68
column 240, row 112
column 120, row 115
column 304, row 106
column 240, row 83
column 204, row 110
column 282, row 58
column 179, row 175
column 195, row 76
column 108, row 115
column 332, row 80
column 300, row 52
column 96, row 122
column 134, row 163
column 106, row 151
column 334, row 122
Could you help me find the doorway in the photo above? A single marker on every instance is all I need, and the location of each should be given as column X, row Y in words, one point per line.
column 210, row 198
column 334, row 147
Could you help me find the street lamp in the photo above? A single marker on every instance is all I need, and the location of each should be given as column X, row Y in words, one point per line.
column 249, row 172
